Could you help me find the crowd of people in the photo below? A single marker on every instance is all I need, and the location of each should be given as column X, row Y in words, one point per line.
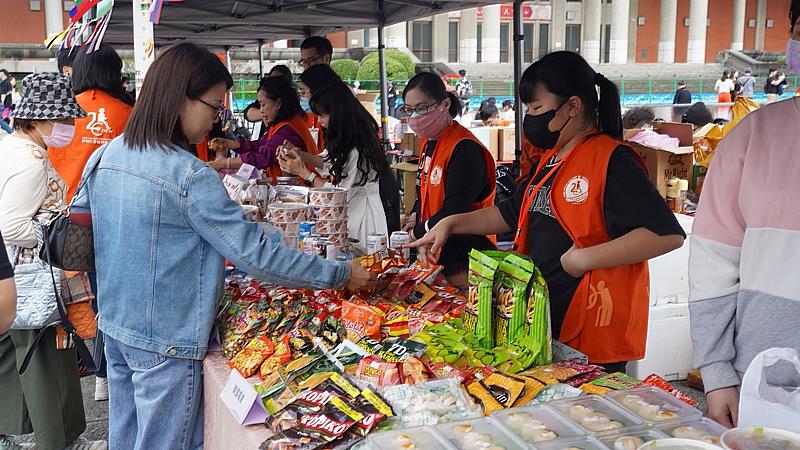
column 586, row 213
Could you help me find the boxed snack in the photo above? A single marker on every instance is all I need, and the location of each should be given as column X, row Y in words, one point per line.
column 479, row 313
column 339, row 212
column 430, row 403
column 653, row 405
column 597, row 415
column 479, row 434
column 513, row 275
column 697, row 429
column 632, row 440
column 420, row 438
column 288, row 212
column 537, row 424
column 327, row 196
column 331, row 227
column 581, row 443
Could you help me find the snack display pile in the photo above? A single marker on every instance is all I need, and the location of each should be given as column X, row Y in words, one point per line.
column 410, row 363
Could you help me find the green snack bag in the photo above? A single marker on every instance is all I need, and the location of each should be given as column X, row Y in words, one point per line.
column 512, row 300
column 617, row 381
column 538, row 317
column 479, row 312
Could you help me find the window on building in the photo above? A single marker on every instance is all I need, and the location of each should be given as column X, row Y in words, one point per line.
column 421, row 41
column 644, row 55
column 452, row 47
column 572, row 38
column 527, row 44
column 478, row 40
column 35, row 5
column 366, row 38
column 68, row 6
column 606, row 44
column 544, row 39
column 505, row 31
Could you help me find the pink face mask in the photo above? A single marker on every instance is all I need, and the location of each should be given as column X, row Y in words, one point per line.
column 431, row 125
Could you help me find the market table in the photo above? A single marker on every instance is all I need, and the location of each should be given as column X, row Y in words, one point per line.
column 221, row 429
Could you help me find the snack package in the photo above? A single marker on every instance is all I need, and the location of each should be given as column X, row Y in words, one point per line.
column 314, row 430
column 656, row 381
column 360, row 320
column 376, row 372
column 551, row 374
column 479, row 313
column 556, row 392
column 481, row 394
column 308, row 402
column 538, row 317
column 584, row 378
column 617, row 381
column 430, row 403
column 250, row 358
column 369, row 345
column 505, row 389
column 399, row 349
column 591, row 389
column 532, row 389
column 513, row 275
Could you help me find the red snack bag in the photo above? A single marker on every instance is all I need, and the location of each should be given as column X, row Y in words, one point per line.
column 580, row 367
column 360, row 320
column 413, row 371
column 377, row 372
column 656, row 381
column 250, row 358
column 584, row 378
column 445, row 370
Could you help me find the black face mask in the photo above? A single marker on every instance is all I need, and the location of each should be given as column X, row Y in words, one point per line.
column 537, row 131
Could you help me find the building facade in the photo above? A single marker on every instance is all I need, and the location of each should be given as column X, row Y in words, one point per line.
column 29, row 22
column 603, row 31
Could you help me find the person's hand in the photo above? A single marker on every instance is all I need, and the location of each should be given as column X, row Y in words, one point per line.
column 723, row 406
column 359, row 277
column 217, row 164
column 430, row 245
column 290, row 162
column 221, row 145
column 410, row 223
column 573, row 262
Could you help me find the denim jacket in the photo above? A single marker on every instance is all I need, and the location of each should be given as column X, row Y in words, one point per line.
column 163, row 226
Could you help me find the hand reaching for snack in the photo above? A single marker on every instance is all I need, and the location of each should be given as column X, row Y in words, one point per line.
column 291, row 162
column 359, row 277
column 222, row 145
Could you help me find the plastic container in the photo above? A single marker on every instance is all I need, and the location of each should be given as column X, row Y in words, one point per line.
column 699, row 429
column 431, row 403
column 581, row 443
column 597, row 415
column 643, row 436
column 331, row 226
column 327, row 196
column 331, row 212
column 760, row 439
column 653, row 405
column 288, row 212
column 250, row 212
column 516, row 421
column 480, row 433
column 421, row 438
column 678, row 444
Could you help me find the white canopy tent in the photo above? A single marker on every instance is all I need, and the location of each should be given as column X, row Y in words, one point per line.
column 232, row 23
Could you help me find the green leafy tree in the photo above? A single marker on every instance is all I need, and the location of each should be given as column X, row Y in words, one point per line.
column 370, row 71
column 396, row 55
column 347, row 69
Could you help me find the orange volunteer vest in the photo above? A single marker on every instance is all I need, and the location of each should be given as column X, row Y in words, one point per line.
column 607, row 318
column 298, row 124
column 105, row 119
column 432, row 184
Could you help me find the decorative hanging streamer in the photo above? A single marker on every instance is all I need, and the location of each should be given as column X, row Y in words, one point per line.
column 80, row 10
column 100, row 32
column 155, row 11
column 89, row 32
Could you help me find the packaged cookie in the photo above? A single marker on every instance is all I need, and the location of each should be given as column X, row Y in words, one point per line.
column 479, row 313
column 538, row 317
column 514, row 273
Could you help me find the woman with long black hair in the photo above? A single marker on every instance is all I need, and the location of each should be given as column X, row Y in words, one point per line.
column 588, row 216
column 352, row 159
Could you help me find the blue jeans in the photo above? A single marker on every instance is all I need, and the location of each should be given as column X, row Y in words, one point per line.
column 6, row 127
column 99, row 355
column 155, row 402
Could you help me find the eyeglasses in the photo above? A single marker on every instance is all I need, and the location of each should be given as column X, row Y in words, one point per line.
column 309, row 61
column 219, row 109
column 419, row 110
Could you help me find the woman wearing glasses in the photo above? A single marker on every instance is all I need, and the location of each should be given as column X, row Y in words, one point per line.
column 281, row 110
column 456, row 173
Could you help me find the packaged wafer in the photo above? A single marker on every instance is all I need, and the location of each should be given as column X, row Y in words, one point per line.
column 514, row 274
column 479, row 313
column 538, row 317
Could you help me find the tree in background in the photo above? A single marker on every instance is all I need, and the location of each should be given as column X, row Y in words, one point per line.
column 395, row 55
column 347, row 69
column 370, row 71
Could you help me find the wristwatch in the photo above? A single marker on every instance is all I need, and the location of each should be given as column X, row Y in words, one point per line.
column 310, row 180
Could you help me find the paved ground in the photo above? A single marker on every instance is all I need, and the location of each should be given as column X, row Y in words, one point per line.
column 97, row 412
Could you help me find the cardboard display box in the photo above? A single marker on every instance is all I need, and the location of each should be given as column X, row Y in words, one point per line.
column 489, row 137
column 409, row 171
column 410, row 144
column 507, row 144
column 665, row 164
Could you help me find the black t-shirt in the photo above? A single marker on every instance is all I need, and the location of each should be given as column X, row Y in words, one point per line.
column 631, row 202
column 465, row 182
column 770, row 88
column 6, row 271
column 7, row 90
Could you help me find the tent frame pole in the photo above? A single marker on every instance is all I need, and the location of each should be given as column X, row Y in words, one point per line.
column 385, row 138
column 261, row 57
column 229, row 64
column 518, row 62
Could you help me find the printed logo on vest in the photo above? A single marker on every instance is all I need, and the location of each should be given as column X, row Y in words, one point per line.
column 576, row 190
column 98, row 125
column 436, row 175
column 605, row 311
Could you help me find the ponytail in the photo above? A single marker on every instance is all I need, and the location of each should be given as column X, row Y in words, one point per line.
column 455, row 105
column 609, row 112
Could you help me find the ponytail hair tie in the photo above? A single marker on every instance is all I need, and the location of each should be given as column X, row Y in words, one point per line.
column 598, row 77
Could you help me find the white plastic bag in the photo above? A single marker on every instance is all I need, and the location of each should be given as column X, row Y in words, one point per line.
column 764, row 405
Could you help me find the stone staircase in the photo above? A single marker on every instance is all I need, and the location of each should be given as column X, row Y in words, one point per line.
column 481, row 71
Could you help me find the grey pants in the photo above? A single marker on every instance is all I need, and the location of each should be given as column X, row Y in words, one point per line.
column 47, row 398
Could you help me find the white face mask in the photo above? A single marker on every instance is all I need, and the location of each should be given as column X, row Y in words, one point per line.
column 60, row 137
column 793, row 55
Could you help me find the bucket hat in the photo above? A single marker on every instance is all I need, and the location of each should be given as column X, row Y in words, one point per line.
column 47, row 96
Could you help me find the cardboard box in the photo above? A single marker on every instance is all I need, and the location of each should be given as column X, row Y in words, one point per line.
column 665, row 164
column 372, row 109
column 367, row 97
column 489, row 137
column 409, row 171
column 507, row 144
column 410, row 144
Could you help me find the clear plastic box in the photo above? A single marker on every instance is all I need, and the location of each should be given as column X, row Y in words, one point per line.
column 552, row 420
column 421, row 438
column 659, row 407
column 461, row 434
column 590, row 406
column 644, row 434
column 699, row 429
column 582, row 443
column 431, row 403
column 678, row 444
column 760, row 438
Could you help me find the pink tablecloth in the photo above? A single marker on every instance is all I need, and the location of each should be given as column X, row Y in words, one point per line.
column 221, row 430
